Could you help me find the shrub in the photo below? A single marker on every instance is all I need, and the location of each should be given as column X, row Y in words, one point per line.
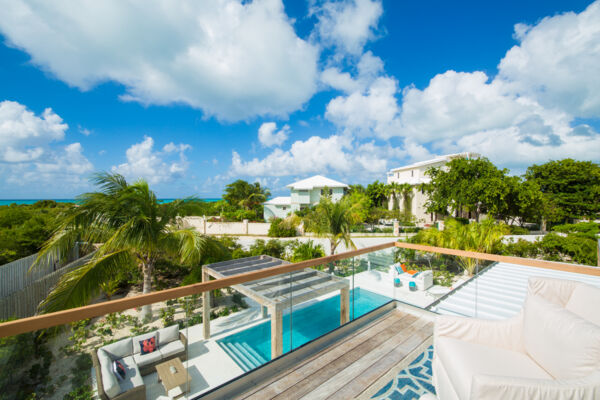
column 521, row 248
column 306, row 251
column 274, row 248
column 518, row 230
column 281, row 228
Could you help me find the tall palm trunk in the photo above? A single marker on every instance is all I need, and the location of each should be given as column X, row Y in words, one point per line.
column 333, row 245
column 147, row 268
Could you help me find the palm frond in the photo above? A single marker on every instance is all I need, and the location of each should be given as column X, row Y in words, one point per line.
column 77, row 287
column 190, row 246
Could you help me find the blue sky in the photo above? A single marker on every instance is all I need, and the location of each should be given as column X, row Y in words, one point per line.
column 191, row 97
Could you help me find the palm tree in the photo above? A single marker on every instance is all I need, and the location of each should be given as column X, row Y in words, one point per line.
column 483, row 237
column 394, row 189
column 132, row 227
column 406, row 189
column 332, row 220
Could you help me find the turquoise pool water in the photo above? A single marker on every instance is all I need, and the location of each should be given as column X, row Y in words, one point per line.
column 251, row 347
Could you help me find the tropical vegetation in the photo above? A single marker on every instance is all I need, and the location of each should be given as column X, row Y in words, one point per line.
column 132, row 227
column 332, row 220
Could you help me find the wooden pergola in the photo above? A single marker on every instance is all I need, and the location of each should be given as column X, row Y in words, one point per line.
column 276, row 293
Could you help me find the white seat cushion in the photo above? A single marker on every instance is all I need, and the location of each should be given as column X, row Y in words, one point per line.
column 120, row 349
column 145, row 359
column 109, row 380
column 168, row 335
column 584, row 302
column 133, row 378
column 172, row 348
column 463, row 360
column 564, row 344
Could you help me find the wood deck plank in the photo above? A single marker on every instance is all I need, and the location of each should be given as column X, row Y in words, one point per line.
column 368, row 374
column 318, row 374
column 352, row 366
column 356, row 374
column 288, row 378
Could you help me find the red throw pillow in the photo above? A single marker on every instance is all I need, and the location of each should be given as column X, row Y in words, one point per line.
column 148, row 345
column 119, row 370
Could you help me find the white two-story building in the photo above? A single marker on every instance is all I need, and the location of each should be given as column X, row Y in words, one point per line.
column 304, row 193
column 415, row 174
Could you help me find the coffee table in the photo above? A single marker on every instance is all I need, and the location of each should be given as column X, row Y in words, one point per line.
column 172, row 380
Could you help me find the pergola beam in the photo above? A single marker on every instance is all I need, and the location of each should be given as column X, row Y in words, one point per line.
column 277, row 293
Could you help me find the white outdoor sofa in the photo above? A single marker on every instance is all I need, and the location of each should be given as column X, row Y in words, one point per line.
column 170, row 344
column 551, row 350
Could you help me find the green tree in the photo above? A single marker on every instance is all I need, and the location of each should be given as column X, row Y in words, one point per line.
column 132, row 227
column 306, row 251
column 248, row 196
column 468, row 185
column 378, row 192
column 356, row 188
column 333, row 221
column 571, row 188
column 407, row 193
column 360, row 205
column 484, row 237
column 394, row 190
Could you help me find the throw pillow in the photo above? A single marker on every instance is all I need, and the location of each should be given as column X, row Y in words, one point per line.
column 564, row 344
column 148, row 345
column 119, row 370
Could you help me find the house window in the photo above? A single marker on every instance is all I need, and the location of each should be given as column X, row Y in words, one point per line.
column 326, row 192
column 412, row 173
column 284, row 208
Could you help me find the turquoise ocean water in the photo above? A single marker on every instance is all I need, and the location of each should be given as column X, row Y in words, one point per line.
column 6, row 202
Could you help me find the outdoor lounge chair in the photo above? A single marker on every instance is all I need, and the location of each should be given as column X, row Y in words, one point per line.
column 423, row 280
column 550, row 350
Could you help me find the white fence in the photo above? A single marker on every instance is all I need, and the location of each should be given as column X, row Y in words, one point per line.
column 227, row 228
column 21, row 291
column 15, row 275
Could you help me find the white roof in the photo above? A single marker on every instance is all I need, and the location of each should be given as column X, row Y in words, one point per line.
column 440, row 159
column 280, row 201
column 499, row 291
column 316, row 181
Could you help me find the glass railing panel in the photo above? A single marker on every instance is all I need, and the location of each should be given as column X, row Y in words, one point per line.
column 372, row 281
column 117, row 353
column 441, row 283
column 248, row 325
column 319, row 302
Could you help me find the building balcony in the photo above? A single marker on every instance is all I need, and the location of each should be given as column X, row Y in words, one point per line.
column 344, row 326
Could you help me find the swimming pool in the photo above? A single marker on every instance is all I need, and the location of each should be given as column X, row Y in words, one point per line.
column 251, row 347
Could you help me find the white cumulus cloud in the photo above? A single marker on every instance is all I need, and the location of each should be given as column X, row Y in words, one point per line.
column 347, row 25
column 269, row 136
column 24, row 135
column 558, row 62
column 338, row 154
column 374, row 113
column 155, row 166
column 232, row 59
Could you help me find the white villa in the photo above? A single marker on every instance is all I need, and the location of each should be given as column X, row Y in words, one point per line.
column 414, row 174
column 304, row 193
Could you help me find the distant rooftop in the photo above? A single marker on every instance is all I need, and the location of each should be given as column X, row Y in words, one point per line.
column 439, row 159
column 280, row 201
column 316, row 181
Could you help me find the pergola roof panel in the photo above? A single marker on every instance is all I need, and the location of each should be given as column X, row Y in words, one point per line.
column 279, row 290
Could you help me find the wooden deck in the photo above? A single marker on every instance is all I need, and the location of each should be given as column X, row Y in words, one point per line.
column 356, row 366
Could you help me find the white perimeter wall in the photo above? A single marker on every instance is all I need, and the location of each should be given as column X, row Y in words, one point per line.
column 227, row 228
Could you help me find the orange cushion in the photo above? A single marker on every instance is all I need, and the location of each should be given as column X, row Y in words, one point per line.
column 412, row 272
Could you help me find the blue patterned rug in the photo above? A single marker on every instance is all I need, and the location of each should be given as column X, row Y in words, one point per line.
column 412, row 382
